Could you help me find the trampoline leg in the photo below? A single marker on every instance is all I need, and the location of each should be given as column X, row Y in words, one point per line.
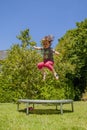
column 33, row 105
column 72, row 107
column 61, row 110
column 17, row 106
column 27, row 109
column 56, row 107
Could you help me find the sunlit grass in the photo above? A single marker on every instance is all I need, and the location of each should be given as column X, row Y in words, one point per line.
column 43, row 117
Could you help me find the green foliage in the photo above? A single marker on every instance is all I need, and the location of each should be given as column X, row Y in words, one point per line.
column 20, row 78
column 73, row 47
column 26, row 39
column 19, row 72
column 50, row 89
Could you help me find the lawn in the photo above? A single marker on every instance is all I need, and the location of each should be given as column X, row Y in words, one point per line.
column 43, row 117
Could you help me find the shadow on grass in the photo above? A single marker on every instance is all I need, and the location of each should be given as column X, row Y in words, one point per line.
column 45, row 111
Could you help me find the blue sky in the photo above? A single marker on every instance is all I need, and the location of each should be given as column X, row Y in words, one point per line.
column 42, row 17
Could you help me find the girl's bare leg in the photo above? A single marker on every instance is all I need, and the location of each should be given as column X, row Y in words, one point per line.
column 53, row 71
column 43, row 73
column 55, row 74
column 49, row 65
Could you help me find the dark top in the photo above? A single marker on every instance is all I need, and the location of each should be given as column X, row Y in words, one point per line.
column 47, row 54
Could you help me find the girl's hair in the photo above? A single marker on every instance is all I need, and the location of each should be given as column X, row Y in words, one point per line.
column 49, row 38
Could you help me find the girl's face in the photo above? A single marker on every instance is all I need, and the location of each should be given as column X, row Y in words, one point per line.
column 46, row 44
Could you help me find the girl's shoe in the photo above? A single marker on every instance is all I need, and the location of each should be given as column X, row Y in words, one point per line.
column 56, row 76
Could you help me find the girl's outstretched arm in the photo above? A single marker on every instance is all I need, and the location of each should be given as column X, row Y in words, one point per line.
column 37, row 48
column 57, row 53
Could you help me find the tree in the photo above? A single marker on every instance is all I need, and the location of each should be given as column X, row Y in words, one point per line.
column 20, row 77
column 73, row 46
column 25, row 39
column 19, row 70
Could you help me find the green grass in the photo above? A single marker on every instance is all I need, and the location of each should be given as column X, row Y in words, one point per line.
column 43, row 117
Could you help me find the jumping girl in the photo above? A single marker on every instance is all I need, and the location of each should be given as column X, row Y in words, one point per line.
column 48, row 60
